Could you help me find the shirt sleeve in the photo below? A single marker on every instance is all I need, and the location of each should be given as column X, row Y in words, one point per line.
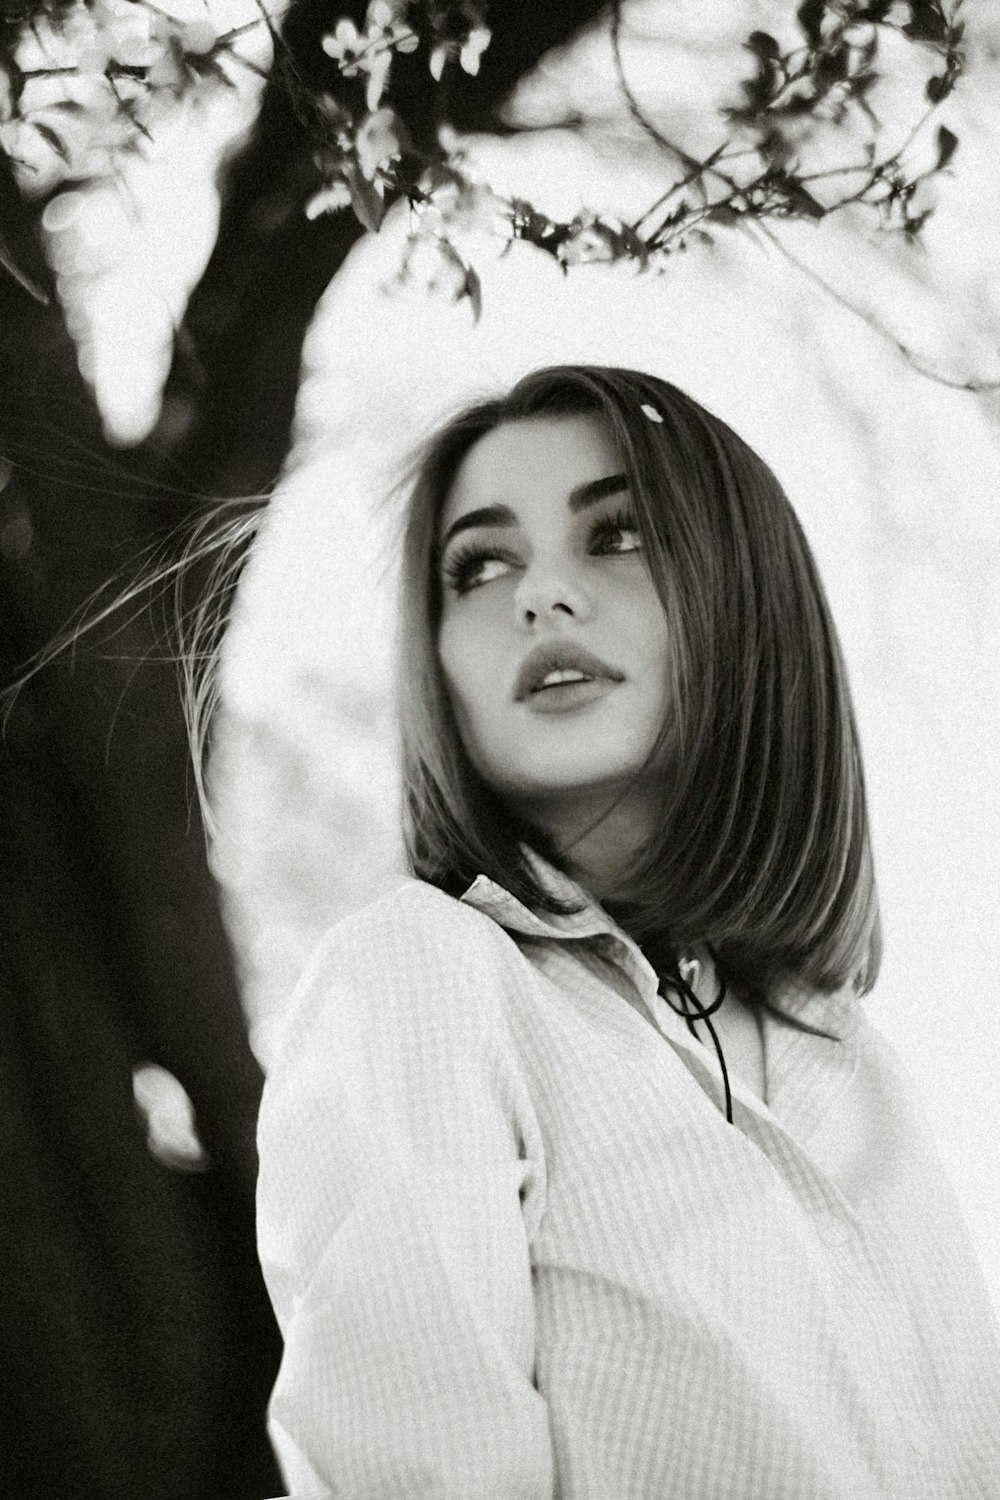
column 401, row 1169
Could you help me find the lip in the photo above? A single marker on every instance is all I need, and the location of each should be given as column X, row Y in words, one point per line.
column 569, row 697
column 560, row 657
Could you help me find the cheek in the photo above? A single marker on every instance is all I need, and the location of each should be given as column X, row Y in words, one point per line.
column 452, row 660
column 661, row 649
column 654, row 657
column 645, row 624
column 464, row 670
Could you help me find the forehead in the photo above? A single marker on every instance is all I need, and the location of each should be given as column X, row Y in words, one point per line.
column 535, row 458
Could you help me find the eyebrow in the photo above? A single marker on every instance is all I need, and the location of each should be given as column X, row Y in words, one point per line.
column 578, row 499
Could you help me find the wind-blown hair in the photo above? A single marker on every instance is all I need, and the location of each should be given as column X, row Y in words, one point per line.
column 762, row 851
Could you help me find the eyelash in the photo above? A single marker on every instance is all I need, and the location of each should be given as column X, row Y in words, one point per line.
column 462, row 562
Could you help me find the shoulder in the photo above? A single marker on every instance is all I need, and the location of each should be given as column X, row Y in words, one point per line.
column 396, row 1058
column 413, row 903
column 413, row 928
column 413, row 958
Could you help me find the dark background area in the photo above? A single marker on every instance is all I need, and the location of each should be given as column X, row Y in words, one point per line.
column 139, row 1347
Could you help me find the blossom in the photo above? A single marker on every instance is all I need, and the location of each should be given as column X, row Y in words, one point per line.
column 383, row 25
column 473, row 48
column 347, row 47
column 386, row 33
column 432, row 262
column 468, row 50
column 465, row 206
column 588, row 242
column 380, row 14
column 378, row 78
column 377, row 141
column 134, row 39
column 333, row 196
column 371, row 52
column 198, row 37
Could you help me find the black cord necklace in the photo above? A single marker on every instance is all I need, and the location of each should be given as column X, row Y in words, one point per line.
column 688, row 1006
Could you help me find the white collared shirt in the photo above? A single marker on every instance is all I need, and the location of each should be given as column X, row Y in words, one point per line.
column 516, row 1250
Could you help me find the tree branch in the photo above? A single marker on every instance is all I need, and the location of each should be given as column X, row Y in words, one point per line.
column 975, row 384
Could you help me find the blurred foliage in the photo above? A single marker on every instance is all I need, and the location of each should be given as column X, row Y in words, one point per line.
column 82, row 81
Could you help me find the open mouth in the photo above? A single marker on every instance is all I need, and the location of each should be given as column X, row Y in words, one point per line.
column 558, row 678
column 574, row 691
column 560, row 668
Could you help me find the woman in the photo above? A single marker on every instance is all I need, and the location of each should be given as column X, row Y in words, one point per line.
column 583, row 1173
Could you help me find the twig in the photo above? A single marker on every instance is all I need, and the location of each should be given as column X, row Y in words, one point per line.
column 975, row 385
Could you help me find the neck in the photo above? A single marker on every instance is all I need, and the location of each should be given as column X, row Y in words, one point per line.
column 599, row 838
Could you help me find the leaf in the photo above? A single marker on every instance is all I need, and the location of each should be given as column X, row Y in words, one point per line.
column 928, row 23
column 473, row 289
column 797, row 105
column 763, row 45
column 759, row 90
column 832, row 68
column 53, row 139
column 436, row 175
column 367, row 202
column 947, row 144
column 528, row 224
column 810, row 17
column 633, row 246
column 913, row 226
column 939, row 88
column 802, row 201
column 868, row 53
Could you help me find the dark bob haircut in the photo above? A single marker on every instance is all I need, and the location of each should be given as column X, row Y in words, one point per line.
column 763, row 850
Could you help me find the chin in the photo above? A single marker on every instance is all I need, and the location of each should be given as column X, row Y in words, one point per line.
column 524, row 773
column 541, row 785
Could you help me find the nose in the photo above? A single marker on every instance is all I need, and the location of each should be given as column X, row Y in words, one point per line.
column 551, row 589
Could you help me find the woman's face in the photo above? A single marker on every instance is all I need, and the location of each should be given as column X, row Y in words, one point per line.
column 553, row 640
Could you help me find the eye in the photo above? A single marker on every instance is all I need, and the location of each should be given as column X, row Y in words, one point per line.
column 468, row 568
column 615, row 533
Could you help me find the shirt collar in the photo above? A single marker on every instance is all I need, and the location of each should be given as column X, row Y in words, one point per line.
column 831, row 1015
column 588, row 920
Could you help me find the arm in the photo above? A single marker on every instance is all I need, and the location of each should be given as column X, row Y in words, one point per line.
column 399, row 1160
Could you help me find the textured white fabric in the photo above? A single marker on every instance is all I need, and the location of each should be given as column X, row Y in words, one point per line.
column 516, row 1250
